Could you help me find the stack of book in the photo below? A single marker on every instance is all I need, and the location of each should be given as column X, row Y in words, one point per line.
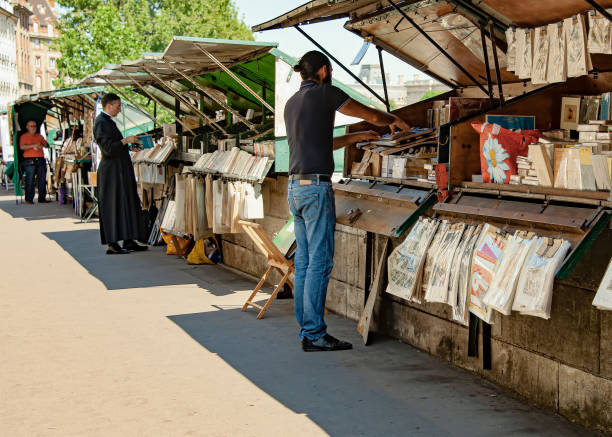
column 527, row 174
column 596, row 134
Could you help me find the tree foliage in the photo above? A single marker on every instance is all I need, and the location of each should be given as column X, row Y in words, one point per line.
column 96, row 32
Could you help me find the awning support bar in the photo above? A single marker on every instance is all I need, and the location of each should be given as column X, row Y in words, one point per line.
column 436, row 45
column 496, row 62
column 353, row 75
column 485, row 52
column 236, row 78
column 384, row 79
column 176, row 95
column 152, row 97
column 128, row 118
column 126, row 97
column 211, row 96
column 599, row 9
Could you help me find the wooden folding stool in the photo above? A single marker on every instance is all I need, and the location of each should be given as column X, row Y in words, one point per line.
column 276, row 261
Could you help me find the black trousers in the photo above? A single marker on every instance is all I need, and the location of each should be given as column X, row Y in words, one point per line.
column 38, row 167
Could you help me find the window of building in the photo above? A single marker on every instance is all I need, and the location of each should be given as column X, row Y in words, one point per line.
column 36, row 42
column 38, row 82
column 52, row 62
column 50, row 29
column 35, row 27
column 37, row 61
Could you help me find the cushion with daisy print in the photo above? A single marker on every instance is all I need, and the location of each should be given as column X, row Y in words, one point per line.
column 499, row 149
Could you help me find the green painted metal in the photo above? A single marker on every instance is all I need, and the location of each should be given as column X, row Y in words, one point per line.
column 225, row 41
column 582, row 248
column 16, row 176
column 410, row 220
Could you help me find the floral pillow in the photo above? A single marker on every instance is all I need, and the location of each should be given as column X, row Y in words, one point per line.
column 499, row 149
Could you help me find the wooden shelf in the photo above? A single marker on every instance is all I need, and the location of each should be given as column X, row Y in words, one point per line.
column 406, row 182
column 547, row 193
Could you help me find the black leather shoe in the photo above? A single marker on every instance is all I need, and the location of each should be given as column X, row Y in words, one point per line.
column 325, row 343
column 132, row 246
column 43, row 201
column 115, row 249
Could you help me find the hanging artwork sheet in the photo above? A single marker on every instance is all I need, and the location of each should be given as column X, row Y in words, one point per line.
column 540, row 56
column 599, row 40
column 535, row 286
column 487, row 253
column 405, row 264
column 511, row 54
column 437, row 288
column 460, row 274
column 431, row 254
column 603, row 298
column 523, row 53
column 557, row 66
column 578, row 59
column 500, row 295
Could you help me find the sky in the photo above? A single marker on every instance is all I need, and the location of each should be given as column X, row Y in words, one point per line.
column 341, row 43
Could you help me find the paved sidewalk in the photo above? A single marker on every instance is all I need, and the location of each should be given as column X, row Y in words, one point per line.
column 145, row 345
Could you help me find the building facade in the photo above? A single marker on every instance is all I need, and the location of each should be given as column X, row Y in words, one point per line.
column 43, row 32
column 401, row 92
column 22, row 9
column 9, row 82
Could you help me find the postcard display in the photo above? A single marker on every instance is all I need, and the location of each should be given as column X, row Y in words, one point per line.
column 219, row 190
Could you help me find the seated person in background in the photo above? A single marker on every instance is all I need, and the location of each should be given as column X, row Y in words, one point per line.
column 32, row 144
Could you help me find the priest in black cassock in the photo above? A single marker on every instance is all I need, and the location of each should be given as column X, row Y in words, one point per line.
column 119, row 204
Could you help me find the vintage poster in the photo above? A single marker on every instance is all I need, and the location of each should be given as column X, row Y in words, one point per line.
column 487, row 253
column 557, row 67
column 405, row 264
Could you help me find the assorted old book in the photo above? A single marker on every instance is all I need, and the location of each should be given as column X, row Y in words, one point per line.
column 234, row 163
column 476, row 269
column 404, row 155
column 203, row 205
column 159, row 154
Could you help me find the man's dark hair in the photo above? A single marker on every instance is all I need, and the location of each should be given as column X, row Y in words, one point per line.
column 310, row 63
column 109, row 98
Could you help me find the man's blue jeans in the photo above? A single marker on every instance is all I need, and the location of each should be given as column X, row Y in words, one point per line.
column 314, row 214
column 38, row 166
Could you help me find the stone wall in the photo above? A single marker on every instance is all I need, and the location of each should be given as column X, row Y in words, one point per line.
column 563, row 364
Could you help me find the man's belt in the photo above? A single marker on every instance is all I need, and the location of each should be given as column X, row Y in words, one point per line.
column 310, row 177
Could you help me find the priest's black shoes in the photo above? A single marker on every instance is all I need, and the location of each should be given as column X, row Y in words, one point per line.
column 115, row 249
column 132, row 246
column 325, row 343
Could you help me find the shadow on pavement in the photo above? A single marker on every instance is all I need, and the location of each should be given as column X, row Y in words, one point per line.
column 387, row 389
column 38, row 211
column 152, row 268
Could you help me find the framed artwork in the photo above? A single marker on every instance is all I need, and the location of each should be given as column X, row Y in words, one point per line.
column 570, row 113
column 513, row 122
column 589, row 108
